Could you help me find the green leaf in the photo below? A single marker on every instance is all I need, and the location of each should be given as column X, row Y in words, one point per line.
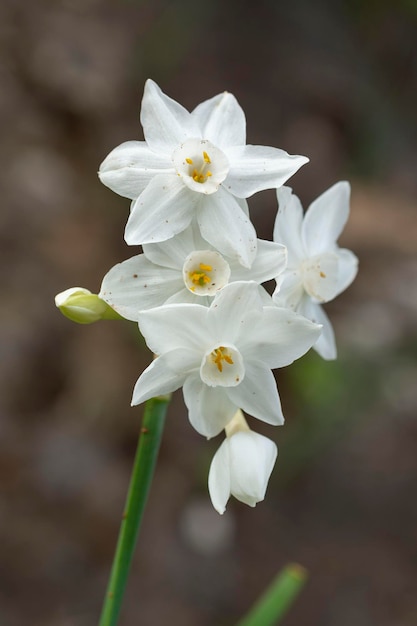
column 277, row 599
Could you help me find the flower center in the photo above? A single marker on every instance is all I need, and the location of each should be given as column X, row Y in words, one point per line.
column 200, row 277
column 219, row 355
column 199, row 170
column 201, row 165
column 222, row 366
column 205, row 272
column 320, row 276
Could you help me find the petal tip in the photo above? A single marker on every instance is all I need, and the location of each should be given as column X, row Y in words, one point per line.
column 150, row 84
column 302, row 160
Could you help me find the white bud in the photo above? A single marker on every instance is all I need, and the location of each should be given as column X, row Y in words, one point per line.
column 241, row 467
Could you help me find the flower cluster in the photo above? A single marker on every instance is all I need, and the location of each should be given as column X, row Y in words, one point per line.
column 196, row 289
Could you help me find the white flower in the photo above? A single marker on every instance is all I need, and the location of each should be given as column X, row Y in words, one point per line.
column 222, row 355
column 241, row 466
column 183, row 269
column 317, row 270
column 194, row 164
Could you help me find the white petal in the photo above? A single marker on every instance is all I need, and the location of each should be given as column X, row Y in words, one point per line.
column 258, row 394
column 131, row 166
column 252, row 458
column 289, row 289
column 138, row 284
column 265, row 297
column 159, row 378
column 221, row 120
column 270, row 262
column 209, row 408
column 255, row 168
column 166, row 123
column 219, row 478
column 243, row 203
column 326, row 344
column 230, row 308
column 189, row 322
column 326, row 218
column 172, row 252
column 278, row 337
column 223, row 224
column 163, row 210
column 348, row 268
column 185, row 296
column 199, row 243
column 288, row 225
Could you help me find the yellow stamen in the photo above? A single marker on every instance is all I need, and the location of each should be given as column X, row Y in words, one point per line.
column 219, row 355
column 199, row 177
column 199, row 174
column 199, row 278
column 205, row 268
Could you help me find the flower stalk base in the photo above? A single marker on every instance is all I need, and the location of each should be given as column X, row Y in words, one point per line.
column 142, row 474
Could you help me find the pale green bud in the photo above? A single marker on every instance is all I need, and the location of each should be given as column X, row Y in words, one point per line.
column 84, row 307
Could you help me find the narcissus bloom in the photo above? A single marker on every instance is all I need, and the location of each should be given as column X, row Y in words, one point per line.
column 317, row 270
column 222, row 355
column 241, row 466
column 183, row 269
column 194, row 165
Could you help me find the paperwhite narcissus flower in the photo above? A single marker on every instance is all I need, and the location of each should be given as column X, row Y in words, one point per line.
column 241, row 466
column 222, row 355
column 317, row 269
column 194, row 164
column 183, row 269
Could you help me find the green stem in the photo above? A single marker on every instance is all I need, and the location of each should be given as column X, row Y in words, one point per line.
column 277, row 599
column 142, row 473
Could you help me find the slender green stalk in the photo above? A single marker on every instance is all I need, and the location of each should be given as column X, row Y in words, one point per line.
column 277, row 599
column 143, row 469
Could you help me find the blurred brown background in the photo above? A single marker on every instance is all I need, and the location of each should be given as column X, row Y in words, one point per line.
column 334, row 80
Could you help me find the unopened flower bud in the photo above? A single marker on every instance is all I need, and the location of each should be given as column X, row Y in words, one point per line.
column 83, row 307
column 241, row 467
